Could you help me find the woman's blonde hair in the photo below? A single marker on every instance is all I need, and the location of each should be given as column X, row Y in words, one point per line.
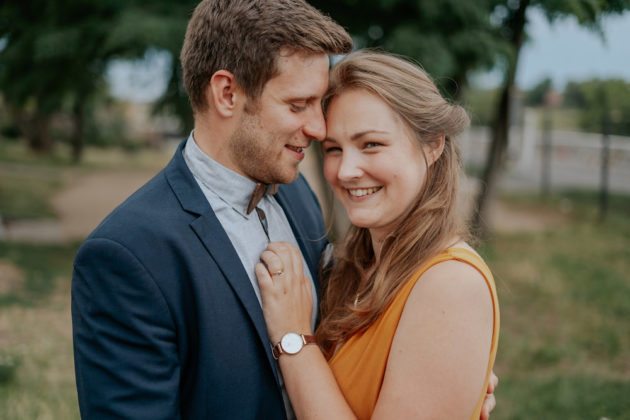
column 352, row 299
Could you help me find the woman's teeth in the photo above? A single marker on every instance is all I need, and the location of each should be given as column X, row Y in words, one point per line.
column 360, row 192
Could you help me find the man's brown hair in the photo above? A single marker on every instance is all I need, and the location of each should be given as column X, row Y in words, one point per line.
column 244, row 37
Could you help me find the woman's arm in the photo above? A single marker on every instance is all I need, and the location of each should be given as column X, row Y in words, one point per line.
column 287, row 305
column 438, row 358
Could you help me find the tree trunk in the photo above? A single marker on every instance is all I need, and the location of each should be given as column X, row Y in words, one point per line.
column 38, row 134
column 501, row 126
column 78, row 115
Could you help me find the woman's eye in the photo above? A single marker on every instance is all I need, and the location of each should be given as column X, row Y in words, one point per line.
column 371, row 144
column 332, row 149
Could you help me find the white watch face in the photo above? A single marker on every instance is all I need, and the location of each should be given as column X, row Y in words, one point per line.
column 291, row 343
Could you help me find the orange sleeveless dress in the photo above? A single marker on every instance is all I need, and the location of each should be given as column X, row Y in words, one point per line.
column 359, row 364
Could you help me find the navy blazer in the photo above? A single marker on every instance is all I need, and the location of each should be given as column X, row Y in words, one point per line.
column 166, row 324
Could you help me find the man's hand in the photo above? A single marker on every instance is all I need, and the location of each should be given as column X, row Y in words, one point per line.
column 490, row 402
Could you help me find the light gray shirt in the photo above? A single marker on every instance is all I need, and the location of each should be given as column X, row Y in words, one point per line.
column 228, row 193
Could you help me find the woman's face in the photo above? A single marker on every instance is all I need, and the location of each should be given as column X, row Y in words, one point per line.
column 374, row 165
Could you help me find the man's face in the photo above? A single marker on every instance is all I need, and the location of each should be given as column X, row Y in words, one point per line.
column 270, row 140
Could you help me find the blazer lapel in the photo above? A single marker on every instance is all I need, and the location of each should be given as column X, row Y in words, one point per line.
column 300, row 235
column 215, row 240
column 211, row 233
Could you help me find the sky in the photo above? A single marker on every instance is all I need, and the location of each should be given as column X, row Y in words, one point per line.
column 563, row 51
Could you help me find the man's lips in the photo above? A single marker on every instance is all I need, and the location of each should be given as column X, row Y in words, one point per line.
column 295, row 148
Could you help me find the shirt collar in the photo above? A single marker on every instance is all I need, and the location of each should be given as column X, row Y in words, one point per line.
column 231, row 187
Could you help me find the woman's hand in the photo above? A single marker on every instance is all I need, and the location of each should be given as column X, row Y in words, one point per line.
column 287, row 299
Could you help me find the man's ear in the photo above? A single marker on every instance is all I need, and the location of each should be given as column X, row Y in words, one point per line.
column 437, row 147
column 224, row 93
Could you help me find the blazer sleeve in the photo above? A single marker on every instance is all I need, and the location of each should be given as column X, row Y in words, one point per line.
column 124, row 335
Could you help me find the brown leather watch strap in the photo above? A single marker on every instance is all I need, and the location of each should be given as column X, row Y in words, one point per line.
column 308, row 339
column 277, row 350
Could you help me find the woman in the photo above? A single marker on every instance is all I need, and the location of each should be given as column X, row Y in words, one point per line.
column 410, row 319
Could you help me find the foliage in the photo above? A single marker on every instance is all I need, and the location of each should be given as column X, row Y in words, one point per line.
column 54, row 59
column 449, row 38
column 536, row 95
column 510, row 18
column 480, row 104
column 596, row 97
column 56, row 53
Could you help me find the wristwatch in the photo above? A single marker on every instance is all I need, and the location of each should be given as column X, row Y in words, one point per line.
column 291, row 343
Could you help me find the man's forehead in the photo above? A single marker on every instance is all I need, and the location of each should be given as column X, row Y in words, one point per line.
column 285, row 55
column 301, row 72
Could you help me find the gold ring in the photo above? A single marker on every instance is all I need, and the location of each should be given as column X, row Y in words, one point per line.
column 277, row 273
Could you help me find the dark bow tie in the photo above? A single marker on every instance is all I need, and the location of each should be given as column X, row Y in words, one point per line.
column 259, row 192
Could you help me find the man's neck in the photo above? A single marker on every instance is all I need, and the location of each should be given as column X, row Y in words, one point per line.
column 212, row 135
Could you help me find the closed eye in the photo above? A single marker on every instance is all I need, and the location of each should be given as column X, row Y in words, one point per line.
column 298, row 107
column 332, row 149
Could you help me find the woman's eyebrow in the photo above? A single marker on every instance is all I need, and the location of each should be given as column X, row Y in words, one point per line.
column 366, row 132
column 358, row 135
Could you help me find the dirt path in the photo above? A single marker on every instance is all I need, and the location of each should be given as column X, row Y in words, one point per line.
column 87, row 200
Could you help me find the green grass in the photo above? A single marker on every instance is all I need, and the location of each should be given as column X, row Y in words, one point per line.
column 15, row 152
column 564, row 350
column 36, row 364
column 563, row 397
column 41, row 266
column 25, row 194
column 565, row 311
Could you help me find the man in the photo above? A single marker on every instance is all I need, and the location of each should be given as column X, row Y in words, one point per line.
column 166, row 311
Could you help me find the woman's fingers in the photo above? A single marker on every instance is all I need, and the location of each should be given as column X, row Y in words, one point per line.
column 287, row 303
column 274, row 263
column 488, row 405
column 492, row 383
column 490, row 401
column 290, row 257
column 264, row 278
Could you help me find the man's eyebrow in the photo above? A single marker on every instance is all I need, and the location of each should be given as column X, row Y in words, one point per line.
column 298, row 98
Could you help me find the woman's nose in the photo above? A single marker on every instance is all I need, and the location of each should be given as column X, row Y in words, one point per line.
column 350, row 166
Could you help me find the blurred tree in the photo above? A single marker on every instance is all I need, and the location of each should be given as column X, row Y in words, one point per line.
column 574, row 95
column 480, row 104
column 510, row 17
column 161, row 24
column 587, row 97
column 54, row 58
column 56, row 53
column 536, row 95
column 450, row 38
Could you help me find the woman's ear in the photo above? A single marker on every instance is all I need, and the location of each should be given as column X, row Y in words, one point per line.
column 223, row 93
column 437, row 147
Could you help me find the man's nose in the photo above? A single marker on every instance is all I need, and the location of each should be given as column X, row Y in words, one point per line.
column 315, row 127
